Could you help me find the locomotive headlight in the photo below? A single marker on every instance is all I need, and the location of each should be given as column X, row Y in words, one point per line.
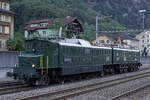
column 33, row 65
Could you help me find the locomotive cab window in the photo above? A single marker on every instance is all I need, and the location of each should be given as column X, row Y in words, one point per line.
column 34, row 46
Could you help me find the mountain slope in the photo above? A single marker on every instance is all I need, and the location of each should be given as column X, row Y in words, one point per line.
column 125, row 13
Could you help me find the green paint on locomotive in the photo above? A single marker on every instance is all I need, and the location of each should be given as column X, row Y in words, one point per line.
column 45, row 54
column 125, row 56
column 37, row 48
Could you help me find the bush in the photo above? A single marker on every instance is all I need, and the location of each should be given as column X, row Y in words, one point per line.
column 16, row 43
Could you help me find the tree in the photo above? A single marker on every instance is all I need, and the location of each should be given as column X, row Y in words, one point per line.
column 57, row 24
column 11, row 44
column 16, row 43
column 89, row 32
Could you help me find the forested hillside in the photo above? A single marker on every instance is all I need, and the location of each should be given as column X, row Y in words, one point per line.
column 124, row 12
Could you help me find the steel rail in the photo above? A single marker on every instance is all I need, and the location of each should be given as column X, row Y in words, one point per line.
column 12, row 89
column 75, row 91
column 9, row 84
column 129, row 92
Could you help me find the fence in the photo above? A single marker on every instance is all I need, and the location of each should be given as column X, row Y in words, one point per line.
column 8, row 59
column 145, row 60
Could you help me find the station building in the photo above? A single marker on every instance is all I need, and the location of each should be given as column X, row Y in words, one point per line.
column 121, row 40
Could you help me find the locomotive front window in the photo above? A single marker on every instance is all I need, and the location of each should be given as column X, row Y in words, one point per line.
column 34, row 46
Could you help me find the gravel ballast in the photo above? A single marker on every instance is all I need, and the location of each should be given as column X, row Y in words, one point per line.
column 22, row 94
column 143, row 94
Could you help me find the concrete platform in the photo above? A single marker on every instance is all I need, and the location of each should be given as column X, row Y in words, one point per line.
column 3, row 72
column 6, row 79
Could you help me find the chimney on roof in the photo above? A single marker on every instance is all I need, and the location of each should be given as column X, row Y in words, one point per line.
column 60, row 32
column 68, row 17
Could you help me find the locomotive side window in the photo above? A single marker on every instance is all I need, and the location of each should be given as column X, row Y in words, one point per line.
column 87, row 51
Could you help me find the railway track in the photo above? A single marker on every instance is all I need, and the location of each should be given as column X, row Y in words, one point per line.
column 9, row 83
column 75, row 91
column 13, row 87
column 117, row 97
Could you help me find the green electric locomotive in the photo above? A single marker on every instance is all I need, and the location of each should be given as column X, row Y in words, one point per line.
column 47, row 61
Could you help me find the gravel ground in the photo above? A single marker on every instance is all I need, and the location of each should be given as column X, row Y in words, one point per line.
column 144, row 94
column 107, row 93
column 14, row 96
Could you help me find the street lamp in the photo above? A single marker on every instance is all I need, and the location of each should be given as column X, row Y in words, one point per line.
column 143, row 14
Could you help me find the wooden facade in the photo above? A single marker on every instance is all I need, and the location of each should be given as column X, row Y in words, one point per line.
column 47, row 28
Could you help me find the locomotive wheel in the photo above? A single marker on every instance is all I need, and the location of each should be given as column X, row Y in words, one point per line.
column 102, row 73
column 111, row 71
column 138, row 67
column 125, row 70
column 44, row 80
column 132, row 69
column 106, row 71
column 121, row 70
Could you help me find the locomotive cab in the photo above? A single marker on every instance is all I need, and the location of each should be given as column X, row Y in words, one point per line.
column 32, row 62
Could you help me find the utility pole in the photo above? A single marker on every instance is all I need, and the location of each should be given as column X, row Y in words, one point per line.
column 97, row 30
column 143, row 14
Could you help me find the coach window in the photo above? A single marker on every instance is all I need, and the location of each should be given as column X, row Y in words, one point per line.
column 87, row 51
column 80, row 50
column 99, row 52
column 63, row 49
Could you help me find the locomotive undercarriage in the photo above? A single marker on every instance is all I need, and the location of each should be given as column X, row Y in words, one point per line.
column 37, row 77
column 120, row 68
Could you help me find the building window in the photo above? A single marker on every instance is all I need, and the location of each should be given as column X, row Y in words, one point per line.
column 143, row 36
column 143, row 41
column 44, row 32
column 6, row 30
column 147, row 36
column 107, row 41
column 7, row 18
column 101, row 41
column 5, row 6
column 147, row 40
column 143, row 46
column 1, row 29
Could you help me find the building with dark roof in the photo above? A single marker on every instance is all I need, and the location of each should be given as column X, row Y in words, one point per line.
column 51, row 27
column 116, row 39
column 6, row 23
